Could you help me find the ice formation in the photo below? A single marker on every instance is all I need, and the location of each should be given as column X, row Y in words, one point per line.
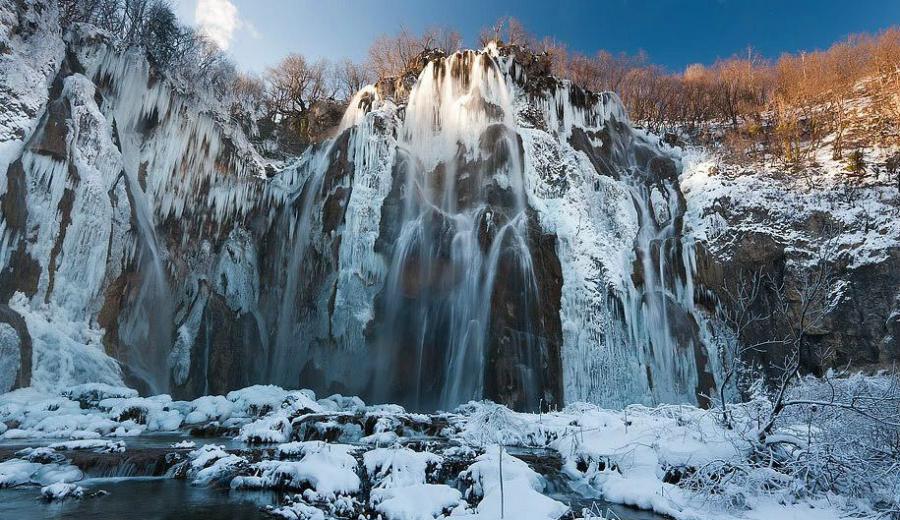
column 489, row 235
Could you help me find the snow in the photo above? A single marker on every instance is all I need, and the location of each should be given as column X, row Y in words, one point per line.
column 399, row 466
column 401, row 491
column 280, row 408
column 41, row 454
column 56, row 417
column 95, row 410
column 268, row 429
column 154, row 412
column 814, row 510
column 93, row 393
column 330, row 470
column 415, row 502
column 209, row 408
column 520, row 495
column 770, row 201
column 61, row 490
column 298, row 511
column 100, row 445
column 257, row 400
column 212, row 464
column 16, row 472
column 621, row 456
column 340, row 403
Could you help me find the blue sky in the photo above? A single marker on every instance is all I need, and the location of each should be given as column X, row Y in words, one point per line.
column 674, row 33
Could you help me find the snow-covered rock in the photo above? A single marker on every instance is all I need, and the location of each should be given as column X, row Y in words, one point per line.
column 61, row 491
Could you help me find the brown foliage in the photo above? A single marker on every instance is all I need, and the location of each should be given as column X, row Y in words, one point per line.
column 788, row 107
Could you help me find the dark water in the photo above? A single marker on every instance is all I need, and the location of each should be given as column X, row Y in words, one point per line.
column 146, row 440
column 169, row 499
column 138, row 499
column 162, row 498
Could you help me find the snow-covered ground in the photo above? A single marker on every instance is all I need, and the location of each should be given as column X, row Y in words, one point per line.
column 340, row 458
column 765, row 198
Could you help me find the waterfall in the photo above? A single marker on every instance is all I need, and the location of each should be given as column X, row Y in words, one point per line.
column 172, row 151
column 658, row 299
column 288, row 353
column 360, row 104
column 464, row 213
column 491, row 236
column 147, row 326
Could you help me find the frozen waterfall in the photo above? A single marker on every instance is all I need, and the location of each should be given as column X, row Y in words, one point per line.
column 474, row 233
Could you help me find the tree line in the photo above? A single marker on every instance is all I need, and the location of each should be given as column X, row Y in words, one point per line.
column 784, row 107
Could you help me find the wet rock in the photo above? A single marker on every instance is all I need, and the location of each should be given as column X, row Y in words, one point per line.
column 134, row 462
column 22, row 272
column 600, row 156
column 15, row 350
column 222, row 357
column 51, row 139
column 525, row 339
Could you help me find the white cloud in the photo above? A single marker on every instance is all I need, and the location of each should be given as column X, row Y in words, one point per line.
column 218, row 19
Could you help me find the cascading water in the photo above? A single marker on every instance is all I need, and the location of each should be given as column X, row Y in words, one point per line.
column 631, row 330
column 658, row 299
column 463, row 214
column 288, row 355
column 305, row 190
column 458, row 310
column 146, row 326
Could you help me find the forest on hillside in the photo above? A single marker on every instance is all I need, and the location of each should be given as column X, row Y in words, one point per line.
column 751, row 105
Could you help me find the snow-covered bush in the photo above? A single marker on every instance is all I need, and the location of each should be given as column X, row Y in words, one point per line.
column 836, row 436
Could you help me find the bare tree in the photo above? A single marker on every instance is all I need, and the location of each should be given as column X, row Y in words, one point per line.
column 391, row 56
column 758, row 302
column 351, row 77
column 293, row 86
column 743, row 309
column 802, row 309
column 884, row 65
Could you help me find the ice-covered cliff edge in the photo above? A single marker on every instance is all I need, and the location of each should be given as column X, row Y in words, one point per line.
column 493, row 233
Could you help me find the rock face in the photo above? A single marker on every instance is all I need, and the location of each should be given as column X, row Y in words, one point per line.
column 15, row 351
column 755, row 220
column 481, row 230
